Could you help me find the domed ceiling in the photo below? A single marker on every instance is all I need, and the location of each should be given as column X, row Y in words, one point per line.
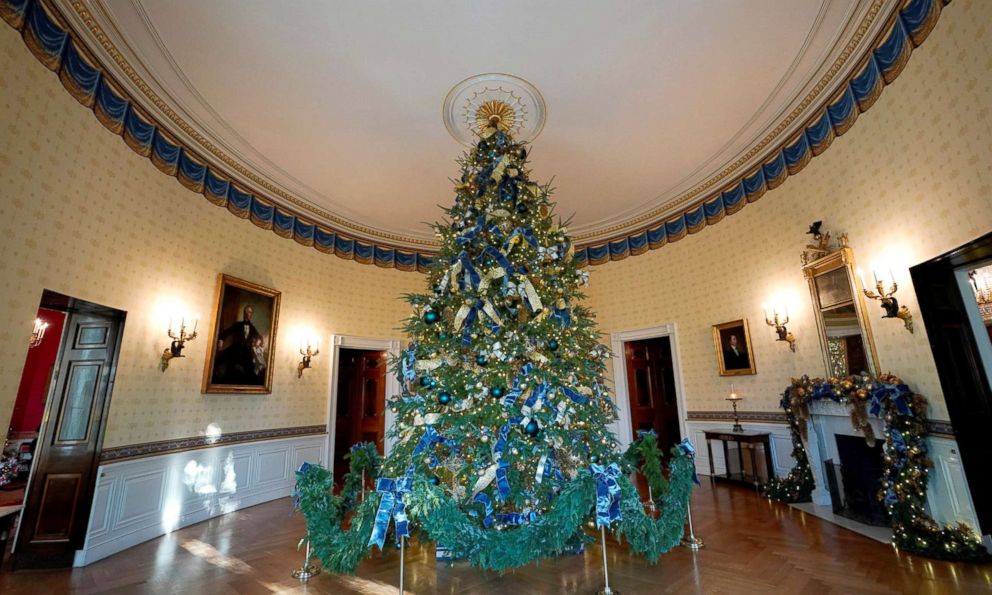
column 336, row 106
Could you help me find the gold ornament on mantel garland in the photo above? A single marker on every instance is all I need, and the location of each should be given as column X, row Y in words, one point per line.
column 496, row 114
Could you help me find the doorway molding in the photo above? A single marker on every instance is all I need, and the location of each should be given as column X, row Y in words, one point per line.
column 339, row 342
column 624, row 432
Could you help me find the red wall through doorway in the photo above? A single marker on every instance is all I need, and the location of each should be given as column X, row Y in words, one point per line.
column 30, row 405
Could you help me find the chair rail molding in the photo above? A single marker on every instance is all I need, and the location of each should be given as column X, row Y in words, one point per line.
column 136, row 500
column 622, row 429
column 338, row 342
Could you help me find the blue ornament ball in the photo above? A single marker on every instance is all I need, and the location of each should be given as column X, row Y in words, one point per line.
column 496, row 391
column 553, row 345
column 425, row 381
column 443, row 336
column 593, row 458
column 532, row 428
column 444, row 398
column 435, row 480
column 431, row 317
column 481, row 360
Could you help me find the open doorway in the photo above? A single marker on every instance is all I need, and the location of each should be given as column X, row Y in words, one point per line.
column 955, row 300
column 361, row 404
column 652, row 393
column 57, row 427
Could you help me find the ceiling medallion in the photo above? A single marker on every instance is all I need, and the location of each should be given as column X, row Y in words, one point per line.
column 508, row 102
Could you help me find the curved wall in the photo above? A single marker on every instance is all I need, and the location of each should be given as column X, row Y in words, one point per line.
column 83, row 215
column 911, row 179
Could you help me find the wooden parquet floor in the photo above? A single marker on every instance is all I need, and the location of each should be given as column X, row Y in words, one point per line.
column 752, row 546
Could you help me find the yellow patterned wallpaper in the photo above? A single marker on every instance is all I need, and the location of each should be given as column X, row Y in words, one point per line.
column 912, row 178
column 82, row 214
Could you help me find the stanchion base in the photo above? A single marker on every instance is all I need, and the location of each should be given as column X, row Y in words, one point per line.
column 306, row 573
column 693, row 543
column 607, row 591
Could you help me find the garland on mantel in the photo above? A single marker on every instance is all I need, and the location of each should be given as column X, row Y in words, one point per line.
column 906, row 465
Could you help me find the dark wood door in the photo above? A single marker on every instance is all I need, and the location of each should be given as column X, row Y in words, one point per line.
column 57, row 506
column 651, row 386
column 361, row 394
column 959, row 364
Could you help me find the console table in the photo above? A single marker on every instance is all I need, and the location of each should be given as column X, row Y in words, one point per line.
column 741, row 439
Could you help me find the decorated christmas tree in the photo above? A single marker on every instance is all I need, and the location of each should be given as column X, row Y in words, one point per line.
column 503, row 452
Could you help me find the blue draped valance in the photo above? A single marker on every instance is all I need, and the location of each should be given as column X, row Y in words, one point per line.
column 908, row 28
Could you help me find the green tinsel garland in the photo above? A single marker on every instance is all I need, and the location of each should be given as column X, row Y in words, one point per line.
column 905, row 477
column 645, row 456
column 435, row 516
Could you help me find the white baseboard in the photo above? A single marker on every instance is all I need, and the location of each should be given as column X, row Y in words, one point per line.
column 145, row 498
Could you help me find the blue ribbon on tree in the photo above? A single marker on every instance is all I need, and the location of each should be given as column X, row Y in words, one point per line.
column 526, row 234
column 408, row 372
column 516, row 518
column 690, row 451
column 577, row 397
column 607, row 493
column 502, row 484
column 515, row 391
column 429, row 438
column 487, row 505
column 391, row 507
column 563, row 316
column 468, row 270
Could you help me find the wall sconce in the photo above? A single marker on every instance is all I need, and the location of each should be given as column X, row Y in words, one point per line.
column 889, row 302
column 178, row 341
column 309, row 351
column 38, row 333
column 778, row 317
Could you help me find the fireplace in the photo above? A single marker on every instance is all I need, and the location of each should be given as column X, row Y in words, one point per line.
column 855, row 479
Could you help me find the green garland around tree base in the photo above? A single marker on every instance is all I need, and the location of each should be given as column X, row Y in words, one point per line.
column 435, row 516
column 905, row 476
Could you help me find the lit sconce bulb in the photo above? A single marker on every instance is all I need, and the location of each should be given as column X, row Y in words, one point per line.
column 308, row 349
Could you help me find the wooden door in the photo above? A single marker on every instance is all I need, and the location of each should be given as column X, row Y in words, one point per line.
column 959, row 365
column 651, row 387
column 361, row 403
column 57, row 504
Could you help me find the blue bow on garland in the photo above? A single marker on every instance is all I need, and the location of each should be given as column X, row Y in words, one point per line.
column 391, row 506
column 607, row 494
column 896, row 394
column 690, row 451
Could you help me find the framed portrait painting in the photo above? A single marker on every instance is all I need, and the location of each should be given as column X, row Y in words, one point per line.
column 242, row 338
column 732, row 341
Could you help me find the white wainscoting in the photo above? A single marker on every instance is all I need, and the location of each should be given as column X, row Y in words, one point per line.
column 141, row 499
column 948, row 493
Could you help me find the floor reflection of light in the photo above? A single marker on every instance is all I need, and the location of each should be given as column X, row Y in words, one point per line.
column 363, row 585
column 230, row 482
column 210, row 555
column 170, row 515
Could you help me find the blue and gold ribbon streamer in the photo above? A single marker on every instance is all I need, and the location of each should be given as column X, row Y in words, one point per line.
column 607, row 494
column 391, row 507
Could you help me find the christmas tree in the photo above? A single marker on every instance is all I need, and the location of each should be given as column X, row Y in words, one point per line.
column 503, row 451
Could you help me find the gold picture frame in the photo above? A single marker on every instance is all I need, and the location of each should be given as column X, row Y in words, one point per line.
column 734, row 357
column 242, row 339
